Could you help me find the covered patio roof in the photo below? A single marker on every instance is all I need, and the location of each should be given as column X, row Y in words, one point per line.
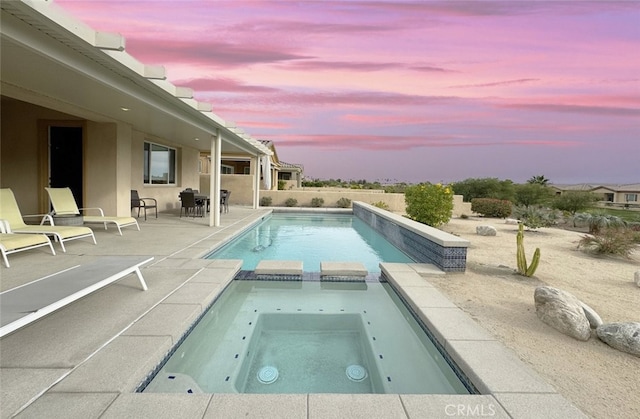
column 45, row 50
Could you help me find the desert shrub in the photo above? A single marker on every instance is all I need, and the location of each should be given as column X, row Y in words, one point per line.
column 317, row 202
column 344, row 203
column 266, row 201
column 615, row 241
column 532, row 194
column 429, row 204
column 598, row 221
column 381, row 204
column 573, row 202
column 282, row 184
column 291, row 202
column 534, row 217
column 489, row 207
column 484, row 188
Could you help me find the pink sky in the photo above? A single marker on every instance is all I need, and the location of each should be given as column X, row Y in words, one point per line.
column 407, row 91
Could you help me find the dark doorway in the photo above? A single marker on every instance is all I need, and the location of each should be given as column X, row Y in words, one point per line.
column 65, row 160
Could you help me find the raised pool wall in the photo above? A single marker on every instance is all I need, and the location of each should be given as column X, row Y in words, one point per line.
column 421, row 242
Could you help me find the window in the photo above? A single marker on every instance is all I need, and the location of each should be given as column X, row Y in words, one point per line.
column 247, row 170
column 159, row 165
column 631, row 197
column 226, row 170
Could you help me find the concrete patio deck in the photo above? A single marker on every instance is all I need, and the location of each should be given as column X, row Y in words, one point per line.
column 85, row 360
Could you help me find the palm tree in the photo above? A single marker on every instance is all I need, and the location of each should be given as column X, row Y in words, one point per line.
column 538, row 180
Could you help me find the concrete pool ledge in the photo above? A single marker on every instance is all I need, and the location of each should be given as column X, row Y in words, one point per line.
column 492, row 368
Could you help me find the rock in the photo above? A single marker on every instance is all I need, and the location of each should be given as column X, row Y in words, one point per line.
column 486, row 230
column 562, row 311
column 624, row 337
column 511, row 221
column 636, row 278
column 592, row 317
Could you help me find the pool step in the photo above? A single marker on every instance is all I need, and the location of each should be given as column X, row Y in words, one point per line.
column 353, row 271
column 271, row 268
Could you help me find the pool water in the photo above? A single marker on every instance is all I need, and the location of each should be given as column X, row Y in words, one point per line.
column 312, row 239
column 307, row 337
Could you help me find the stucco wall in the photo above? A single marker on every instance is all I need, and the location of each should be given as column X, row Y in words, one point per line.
column 331, row 197
column 20, row 168
column 395, row 201
column 241, row 187
column 166, row 195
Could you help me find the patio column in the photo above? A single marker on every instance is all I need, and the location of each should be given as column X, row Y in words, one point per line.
column 255, row 162
column 214, row 179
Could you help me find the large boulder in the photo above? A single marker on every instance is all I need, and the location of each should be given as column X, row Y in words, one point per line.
column 622, row 336
column 486, row 231
column 562, row 311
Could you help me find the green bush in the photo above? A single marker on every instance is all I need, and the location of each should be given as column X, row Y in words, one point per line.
column 532, row 194
column 573, row 202
column 429, row 204
column 317, row 202
column 266, row 201
column 381, row 204
column 344, row 203
column 484, row 188
column 489, row 207
column 281, row 185
column 291, row 202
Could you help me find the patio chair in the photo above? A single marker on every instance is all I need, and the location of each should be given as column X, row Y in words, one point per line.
column 64, row 204
column 10, row 212
column 143, row 203
column 189, row 204
column 13, row 243
column 224, row 200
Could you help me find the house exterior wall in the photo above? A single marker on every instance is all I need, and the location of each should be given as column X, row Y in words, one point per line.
column 241, row 187
column 112, row 161
column 20, row 162
column 186, row 172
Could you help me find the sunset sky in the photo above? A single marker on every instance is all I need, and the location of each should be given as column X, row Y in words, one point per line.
column 407, row 90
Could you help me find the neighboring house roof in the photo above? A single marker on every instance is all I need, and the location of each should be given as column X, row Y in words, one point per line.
column 45, row 50
column 291, row 167
column 587, row 187
column 280, row 165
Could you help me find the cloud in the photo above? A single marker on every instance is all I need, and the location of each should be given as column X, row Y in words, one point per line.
column 210, row 53
column 402, row 142
column 577, row 109
column 498, row 83
column 222, row 85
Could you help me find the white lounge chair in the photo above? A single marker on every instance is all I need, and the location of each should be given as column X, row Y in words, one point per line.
column 27, row 303
column 10, row 212
column 64, row 204
column 13, row 243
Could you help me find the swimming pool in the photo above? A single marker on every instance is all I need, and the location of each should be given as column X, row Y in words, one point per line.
column 312, row 238
column 307, row 337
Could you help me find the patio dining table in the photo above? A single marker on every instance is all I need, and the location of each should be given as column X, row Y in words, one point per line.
column 205, row 198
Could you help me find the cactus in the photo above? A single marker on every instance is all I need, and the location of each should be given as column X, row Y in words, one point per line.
column 523, row 269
